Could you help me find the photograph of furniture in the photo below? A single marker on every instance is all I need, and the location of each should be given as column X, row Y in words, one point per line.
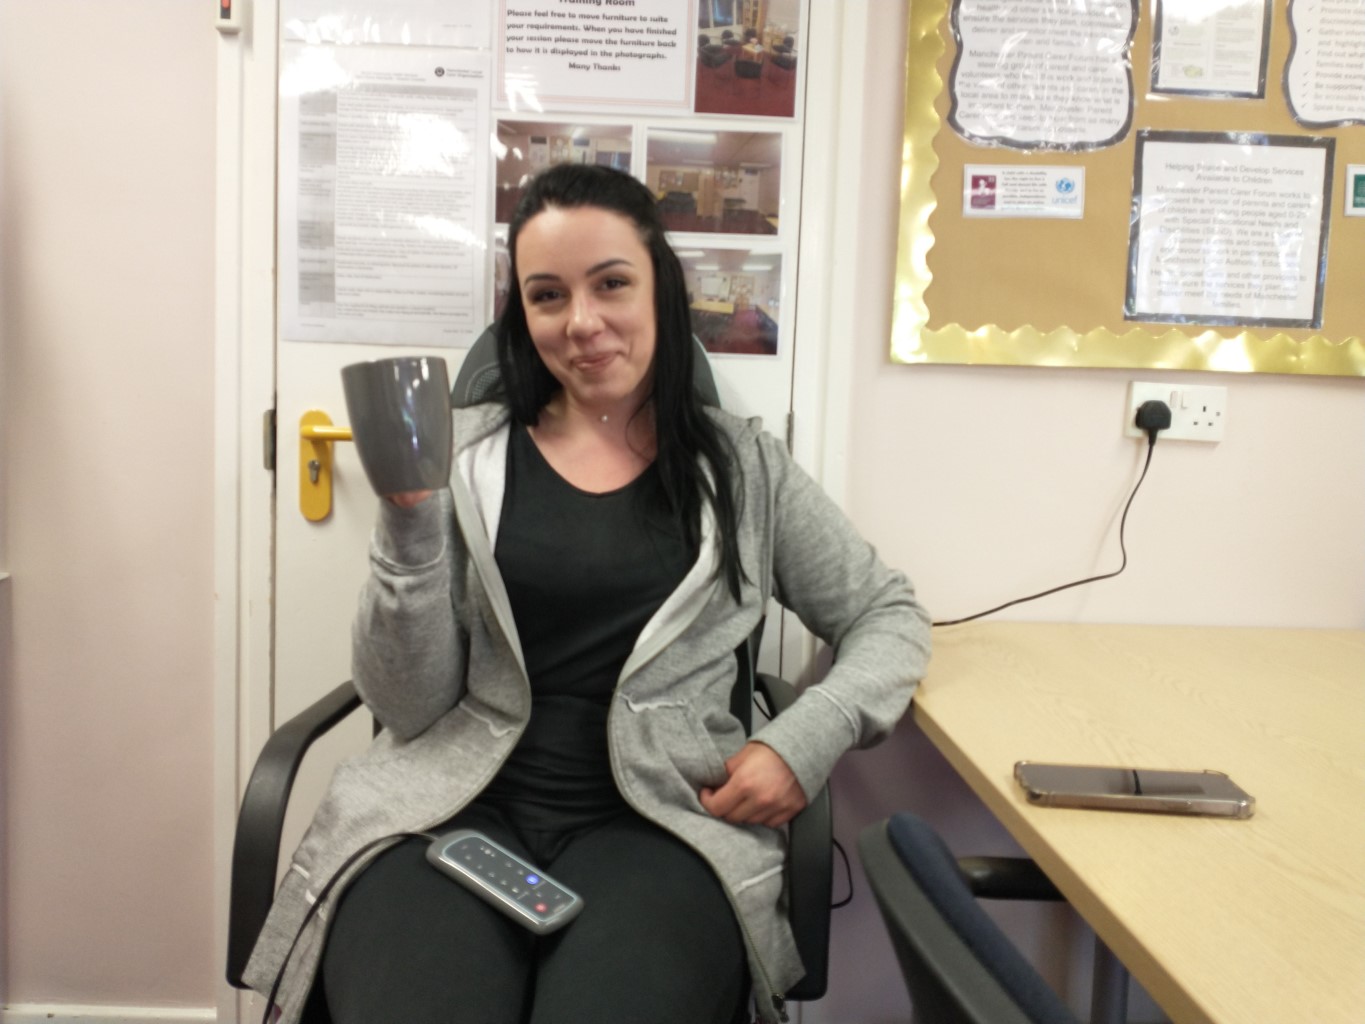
column 727, row 182
column 746, row 56
column 525, row 147
column 735, row 297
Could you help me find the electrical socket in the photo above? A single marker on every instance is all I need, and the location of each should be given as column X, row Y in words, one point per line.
column 1198, row 412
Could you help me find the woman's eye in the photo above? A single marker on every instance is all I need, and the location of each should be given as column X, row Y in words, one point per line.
column 544, row 295
column 615, row 282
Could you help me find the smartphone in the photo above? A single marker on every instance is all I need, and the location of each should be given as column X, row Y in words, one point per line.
column 1134, row 789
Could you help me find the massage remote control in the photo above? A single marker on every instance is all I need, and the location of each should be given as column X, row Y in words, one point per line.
column 504, row 880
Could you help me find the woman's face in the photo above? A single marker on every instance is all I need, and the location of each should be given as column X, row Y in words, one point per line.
column 587, row 283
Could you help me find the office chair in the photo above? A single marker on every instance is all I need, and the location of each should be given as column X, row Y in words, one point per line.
column 959, row 967
column 784, row 55
column 748, row 68
column 713, row 55
column 260, row 822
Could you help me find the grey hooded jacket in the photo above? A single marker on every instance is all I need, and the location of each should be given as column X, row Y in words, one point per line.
column 438, row 662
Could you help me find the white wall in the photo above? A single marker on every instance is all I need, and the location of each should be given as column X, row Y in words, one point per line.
column 106, row 221
column 987, row 484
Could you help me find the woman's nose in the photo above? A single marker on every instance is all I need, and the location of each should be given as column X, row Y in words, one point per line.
column 583, row 318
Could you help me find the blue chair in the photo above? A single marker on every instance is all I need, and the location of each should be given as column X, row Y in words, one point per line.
column 959, row 967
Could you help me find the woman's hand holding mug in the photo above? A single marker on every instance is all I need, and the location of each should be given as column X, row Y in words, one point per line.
column 409, row 499
column 400, row 421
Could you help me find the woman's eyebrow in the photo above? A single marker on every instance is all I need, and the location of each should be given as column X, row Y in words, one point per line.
column 596, row 268
column 607, row 263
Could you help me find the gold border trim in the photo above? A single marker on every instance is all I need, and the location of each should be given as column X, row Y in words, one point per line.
column 913, row 342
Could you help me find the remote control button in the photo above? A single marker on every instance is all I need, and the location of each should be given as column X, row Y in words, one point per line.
column 532, row 879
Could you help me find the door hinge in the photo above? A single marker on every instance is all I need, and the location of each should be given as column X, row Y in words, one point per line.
column 268, row 439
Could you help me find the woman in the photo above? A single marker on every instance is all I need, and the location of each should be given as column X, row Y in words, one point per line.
column 548, row 645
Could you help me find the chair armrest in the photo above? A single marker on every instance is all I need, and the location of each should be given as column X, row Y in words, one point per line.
column 1007, row 878
column 260, row 822
column 810, row 854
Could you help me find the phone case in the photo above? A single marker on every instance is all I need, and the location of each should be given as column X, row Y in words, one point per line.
column 1201, row 792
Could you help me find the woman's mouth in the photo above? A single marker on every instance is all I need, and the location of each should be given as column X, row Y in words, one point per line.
column 593, row 363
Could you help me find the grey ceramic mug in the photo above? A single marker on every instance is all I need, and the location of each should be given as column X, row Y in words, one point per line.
column 400, row 421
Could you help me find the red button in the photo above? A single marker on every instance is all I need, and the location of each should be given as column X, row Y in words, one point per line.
column 541, row 908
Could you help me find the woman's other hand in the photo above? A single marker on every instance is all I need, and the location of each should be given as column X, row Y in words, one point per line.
column 761, row 789
column 409, row 499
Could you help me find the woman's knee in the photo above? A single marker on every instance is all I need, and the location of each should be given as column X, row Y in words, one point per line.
column 407, row 943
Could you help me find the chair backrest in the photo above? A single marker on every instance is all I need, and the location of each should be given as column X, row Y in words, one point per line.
column 480, row 377
column 959, row 966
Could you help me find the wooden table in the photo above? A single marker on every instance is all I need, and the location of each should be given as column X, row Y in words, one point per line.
column 713, row 306
column 1259, row 921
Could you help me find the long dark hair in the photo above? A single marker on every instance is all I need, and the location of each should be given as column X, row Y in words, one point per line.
column 683, row 430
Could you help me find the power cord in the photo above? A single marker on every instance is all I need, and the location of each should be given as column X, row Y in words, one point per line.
column 848, row 874
column 1153, row 417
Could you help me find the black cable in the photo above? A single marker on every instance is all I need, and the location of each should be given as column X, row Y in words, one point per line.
column 848, row 868
column 761, row 709
column 848, row 874
column 1151, row 447
column 317, row 903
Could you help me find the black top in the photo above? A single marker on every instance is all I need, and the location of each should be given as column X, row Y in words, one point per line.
column 584, row 573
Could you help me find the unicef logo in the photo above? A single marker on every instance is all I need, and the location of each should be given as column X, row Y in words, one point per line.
column 1066, row 186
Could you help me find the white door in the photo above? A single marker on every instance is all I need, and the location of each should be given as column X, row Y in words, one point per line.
column 293, row 635
column 319, row 566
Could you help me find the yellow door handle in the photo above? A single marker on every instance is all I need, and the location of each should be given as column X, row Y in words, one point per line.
column 316, row 434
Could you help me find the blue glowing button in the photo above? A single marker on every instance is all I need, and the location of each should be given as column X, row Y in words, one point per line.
column 532, row 879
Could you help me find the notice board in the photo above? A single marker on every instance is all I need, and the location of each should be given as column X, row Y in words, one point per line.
column 1134, row 185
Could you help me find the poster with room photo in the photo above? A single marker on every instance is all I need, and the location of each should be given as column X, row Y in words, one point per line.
column 727, row 182
column 736, row 298
column 748, row 53
column 521, row 149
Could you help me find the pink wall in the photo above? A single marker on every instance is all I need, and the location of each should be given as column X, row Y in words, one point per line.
column 107, row 229
column 983, row 483
column 987, row 484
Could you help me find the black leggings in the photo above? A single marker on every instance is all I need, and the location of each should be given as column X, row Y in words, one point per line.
column 657, row 941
